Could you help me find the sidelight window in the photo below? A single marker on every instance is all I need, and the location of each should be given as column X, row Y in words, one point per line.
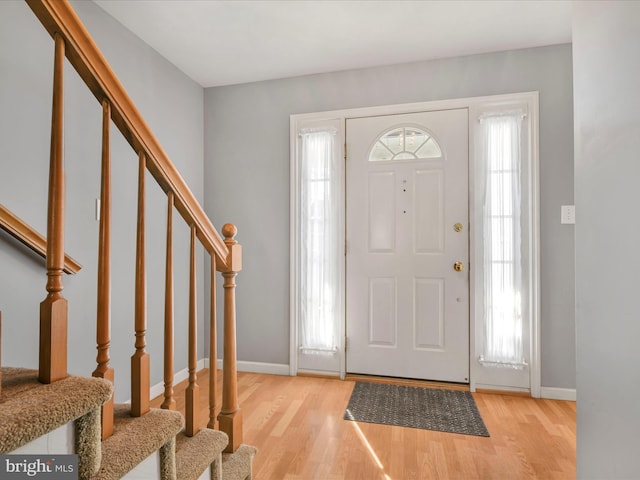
column 319, row 240
column 502, row 239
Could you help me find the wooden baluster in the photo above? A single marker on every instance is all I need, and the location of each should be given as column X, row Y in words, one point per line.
column 230, row 417
column 169, row 402
column 192, row 392
column 54, row 309
column 103, row 330
column 213, row 355
column 140, row 362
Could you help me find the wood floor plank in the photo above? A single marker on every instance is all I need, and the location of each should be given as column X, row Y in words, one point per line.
column 297, row 425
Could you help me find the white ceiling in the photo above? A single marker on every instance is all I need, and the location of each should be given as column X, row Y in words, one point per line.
column 222, row 42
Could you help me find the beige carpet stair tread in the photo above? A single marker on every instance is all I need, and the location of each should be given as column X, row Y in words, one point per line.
column 237, row 465
column 195, row 454
column 29, row 409
column 134, row 439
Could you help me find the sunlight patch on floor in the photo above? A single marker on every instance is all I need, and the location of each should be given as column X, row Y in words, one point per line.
column 369, row 448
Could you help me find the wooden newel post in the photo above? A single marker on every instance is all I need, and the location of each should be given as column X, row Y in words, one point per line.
column 53, row 309
column 230, row 417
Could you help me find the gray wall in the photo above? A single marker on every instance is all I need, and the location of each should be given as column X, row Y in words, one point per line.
column 173, row 106
column 247, row 177
column 607, row 169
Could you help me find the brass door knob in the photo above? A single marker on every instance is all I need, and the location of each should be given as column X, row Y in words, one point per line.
column 458, row 266
column 458, row 227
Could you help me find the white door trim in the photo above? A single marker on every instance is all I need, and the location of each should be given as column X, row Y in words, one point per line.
column 474, row 104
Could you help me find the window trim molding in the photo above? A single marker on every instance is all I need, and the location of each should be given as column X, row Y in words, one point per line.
column 475, row 105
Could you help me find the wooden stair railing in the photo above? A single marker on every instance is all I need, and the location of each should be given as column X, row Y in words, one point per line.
column 73, row 41
column 25, row 234
column 58, row 17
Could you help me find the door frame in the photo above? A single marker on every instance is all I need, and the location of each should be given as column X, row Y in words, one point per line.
column 337, row 366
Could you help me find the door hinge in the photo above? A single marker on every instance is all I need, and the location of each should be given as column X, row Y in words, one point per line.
column 346, row 343
column 345, row 151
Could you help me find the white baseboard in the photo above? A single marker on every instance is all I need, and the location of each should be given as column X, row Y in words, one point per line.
column 260, row 367
column 158, row 388
column 551, row 393
column 324, row 373
column 497, row 388
column 554, row 393
column 253, row 367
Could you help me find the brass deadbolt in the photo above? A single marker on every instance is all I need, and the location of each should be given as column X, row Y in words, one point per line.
column 458, row 266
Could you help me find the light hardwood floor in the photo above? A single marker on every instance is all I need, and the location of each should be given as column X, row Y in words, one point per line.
column 297, row 425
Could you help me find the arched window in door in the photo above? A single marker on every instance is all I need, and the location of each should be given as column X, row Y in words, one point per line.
column 404, row 143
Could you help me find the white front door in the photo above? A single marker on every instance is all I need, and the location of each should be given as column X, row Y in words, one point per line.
column 407, row 228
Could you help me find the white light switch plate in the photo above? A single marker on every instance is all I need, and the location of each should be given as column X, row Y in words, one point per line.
column 568, row 214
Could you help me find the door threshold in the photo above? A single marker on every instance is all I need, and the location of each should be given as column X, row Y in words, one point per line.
column 410, row 382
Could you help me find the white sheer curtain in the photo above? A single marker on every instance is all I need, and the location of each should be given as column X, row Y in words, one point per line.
column 319, row 241
column 502, row 229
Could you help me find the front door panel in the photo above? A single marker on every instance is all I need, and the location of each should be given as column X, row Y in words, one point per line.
column 407, row 187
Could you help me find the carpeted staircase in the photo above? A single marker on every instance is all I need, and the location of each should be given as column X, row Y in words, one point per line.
column 29, row 410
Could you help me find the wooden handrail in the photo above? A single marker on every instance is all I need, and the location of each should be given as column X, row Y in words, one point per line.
column 59, row 18
column 26, row 234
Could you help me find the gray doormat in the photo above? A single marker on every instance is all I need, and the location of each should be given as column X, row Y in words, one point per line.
column 427, row 408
